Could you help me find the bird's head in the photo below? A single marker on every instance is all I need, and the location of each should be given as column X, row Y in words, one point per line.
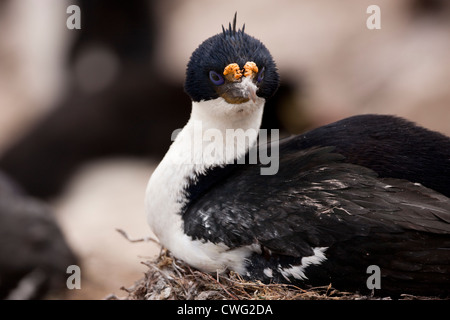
column 231, row 65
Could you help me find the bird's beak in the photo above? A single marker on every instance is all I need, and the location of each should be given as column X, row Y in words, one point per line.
column 239, row 91
column 239, row 86
column 251, row 92
column 250, row 71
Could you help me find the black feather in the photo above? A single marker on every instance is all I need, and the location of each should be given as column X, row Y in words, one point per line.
column 319, row 199
column 231, row 31
column 391, row 146
column 216, row 52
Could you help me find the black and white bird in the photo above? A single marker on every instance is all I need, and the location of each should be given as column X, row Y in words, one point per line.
column 367, row 190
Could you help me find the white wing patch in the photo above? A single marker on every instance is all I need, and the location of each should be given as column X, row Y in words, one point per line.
column 298, row 272
column 268, row 272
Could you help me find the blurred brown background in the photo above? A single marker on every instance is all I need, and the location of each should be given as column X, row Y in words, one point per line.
column 85, row 115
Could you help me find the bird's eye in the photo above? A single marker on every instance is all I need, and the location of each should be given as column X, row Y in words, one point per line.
column 216, row 78
column 261, row 75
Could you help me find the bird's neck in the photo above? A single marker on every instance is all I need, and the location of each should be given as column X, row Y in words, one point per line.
column 217, row 133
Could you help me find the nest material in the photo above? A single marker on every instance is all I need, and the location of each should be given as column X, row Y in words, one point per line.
column 168, row 278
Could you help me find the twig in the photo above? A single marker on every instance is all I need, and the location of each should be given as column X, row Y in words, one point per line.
column 217, row 281
column 145, row 239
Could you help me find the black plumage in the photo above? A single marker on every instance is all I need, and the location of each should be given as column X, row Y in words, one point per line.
column 318, row 200
column 366, row 190
column 230, row 46
column 391, row 146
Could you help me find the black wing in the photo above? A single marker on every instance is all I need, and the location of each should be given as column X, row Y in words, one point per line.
column 312, row 193
column 317, row 200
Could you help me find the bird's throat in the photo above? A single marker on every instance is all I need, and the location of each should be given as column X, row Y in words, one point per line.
column 216, row 134
column 200, row 146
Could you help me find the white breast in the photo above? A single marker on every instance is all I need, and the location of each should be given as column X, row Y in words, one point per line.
column 187, row 157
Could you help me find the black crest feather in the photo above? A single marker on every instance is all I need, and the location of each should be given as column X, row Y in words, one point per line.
column 231, row 31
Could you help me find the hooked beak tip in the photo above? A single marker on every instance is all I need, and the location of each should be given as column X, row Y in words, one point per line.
column 251, row 94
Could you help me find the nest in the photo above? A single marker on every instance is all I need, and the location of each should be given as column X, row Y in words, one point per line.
column 168, row 278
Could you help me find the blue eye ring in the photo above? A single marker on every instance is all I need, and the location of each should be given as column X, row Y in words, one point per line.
column 216, row 78
column 261, row 75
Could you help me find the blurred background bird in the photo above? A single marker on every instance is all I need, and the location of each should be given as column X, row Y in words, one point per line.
column 82, row 117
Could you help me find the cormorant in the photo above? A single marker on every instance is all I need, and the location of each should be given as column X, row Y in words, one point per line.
column 367, row 190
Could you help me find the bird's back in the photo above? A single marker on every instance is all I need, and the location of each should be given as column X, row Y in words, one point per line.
column 391, row 146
